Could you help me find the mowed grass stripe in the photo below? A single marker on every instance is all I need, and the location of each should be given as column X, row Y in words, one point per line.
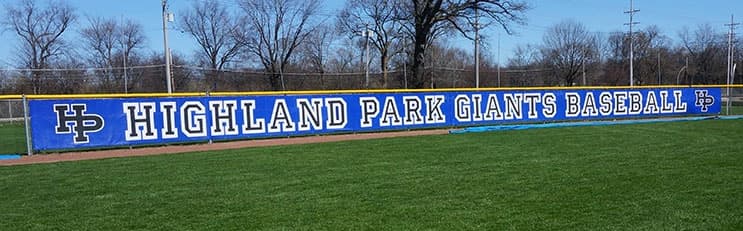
column 681, row 175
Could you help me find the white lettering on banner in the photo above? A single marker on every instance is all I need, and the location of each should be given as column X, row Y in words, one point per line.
column 589, row 106
column 493, row 109
column 224, row 120
column 412, row 110
column 620, row 103
column 310, row 114
column 476, row 102
column 605, row 99
column 369, row 110
column 281, row 119
column 651, row 104
column 311, row 117
column 168, row 109
column 251, row 125
column 680, row 105
column 462, row 108
column 514, row 106
column 469, row 108
column 532, row 99
column 572, row 102
column 665, row 107
column 434, row 115
column 635, row 103
column 140, row 121
column 337, row 110
column 390, row 113
column 193, row 119
column 549, row 105
column 244, row 116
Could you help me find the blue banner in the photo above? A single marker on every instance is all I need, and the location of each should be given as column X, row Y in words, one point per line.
column 93, row 123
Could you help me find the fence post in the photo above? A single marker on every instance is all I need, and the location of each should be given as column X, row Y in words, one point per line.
column 28, row 126
column 207, row 121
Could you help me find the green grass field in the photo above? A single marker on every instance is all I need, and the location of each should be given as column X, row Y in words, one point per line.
column 12, row 138
column 665, row 176
column 734, row 110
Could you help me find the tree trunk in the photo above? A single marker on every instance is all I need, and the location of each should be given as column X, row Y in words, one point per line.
column 275, row 81
column 383, row 62
column 417, row 80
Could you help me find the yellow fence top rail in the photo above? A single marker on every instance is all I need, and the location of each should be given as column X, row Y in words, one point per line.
column 318, row 92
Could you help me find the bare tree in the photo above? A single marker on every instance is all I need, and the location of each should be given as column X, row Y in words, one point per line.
column 215, row 30
column 40, row 30
column 276, row 28
column 100, row 40
column 111, row 44
column 526, row 64
column 379, row 16
column 525, row 56
column 616, row 51
column 152, row 80
column 567, row 47
column 131, row 39
column 71, row 79
column 425, row 19
column 446, row 65
column 344, row 60
column 315, row 52
column 706, row 48
column 650, row 46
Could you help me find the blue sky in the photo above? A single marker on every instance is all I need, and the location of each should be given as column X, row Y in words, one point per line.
column 602, row 16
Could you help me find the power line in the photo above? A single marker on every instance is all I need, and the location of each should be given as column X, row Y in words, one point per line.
column 83, row 68
column 730, row 69
column 631, row 13
column 166, row 16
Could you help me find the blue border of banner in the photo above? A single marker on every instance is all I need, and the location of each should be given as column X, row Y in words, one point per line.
column 60, row 124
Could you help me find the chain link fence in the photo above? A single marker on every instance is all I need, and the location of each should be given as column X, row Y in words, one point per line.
column 12, row 127
column 150, row 79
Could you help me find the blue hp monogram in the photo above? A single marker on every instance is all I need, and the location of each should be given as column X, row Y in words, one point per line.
column 72, row 119
column 703, row 100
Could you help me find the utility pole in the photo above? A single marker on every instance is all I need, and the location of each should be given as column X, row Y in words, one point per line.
column 498, row 59
column 731, row 50
column 281, row 74
column 366, row 58
column 678, row 75
column 659, row 70
column 477, row 45
column 405, row 73
column 405, row 62
column 126, row 78
column 731, row 34
column 583, row 69
column 631, row 13
column 686, row 72
column 166, row 48
column 125, row 55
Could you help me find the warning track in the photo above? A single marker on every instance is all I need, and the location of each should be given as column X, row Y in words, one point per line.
column 173, row 149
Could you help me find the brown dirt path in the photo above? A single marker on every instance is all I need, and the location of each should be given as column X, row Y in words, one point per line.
column 91, row 155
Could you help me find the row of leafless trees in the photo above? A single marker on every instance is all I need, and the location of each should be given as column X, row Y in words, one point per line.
column 272, row 36
column 569, row 50
column 263, row 44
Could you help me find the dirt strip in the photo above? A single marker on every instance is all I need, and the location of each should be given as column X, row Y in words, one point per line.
column 91, row 155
